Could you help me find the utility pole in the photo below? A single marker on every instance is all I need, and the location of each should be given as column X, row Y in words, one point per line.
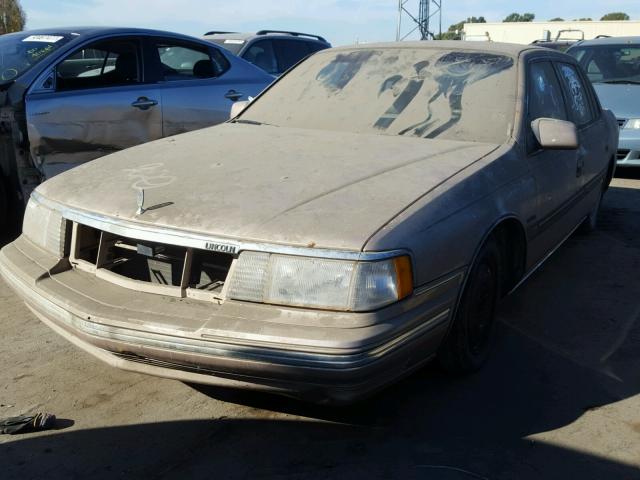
column 425, row 21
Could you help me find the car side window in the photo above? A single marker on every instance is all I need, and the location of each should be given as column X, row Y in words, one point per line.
column 545, row 94
column 290, row 52
column 103, row 64
column 179, row 61
column 578, row 101
column 261, row 55
column 544, row 98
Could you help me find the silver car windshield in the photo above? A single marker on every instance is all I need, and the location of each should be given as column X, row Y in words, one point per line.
column 610, row 63
column 420, row 92
column 21, row 51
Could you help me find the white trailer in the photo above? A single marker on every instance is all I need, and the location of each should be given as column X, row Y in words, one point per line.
column 527, row 32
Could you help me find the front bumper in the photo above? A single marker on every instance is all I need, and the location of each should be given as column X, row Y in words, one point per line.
column 628, row 154
column 307, row 354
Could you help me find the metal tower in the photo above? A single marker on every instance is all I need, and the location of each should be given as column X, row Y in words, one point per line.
column 429, row 12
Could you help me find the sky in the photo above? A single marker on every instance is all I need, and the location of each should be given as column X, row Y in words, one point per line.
column 340, row 21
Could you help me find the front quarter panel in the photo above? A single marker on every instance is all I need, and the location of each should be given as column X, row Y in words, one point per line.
column 445, row 228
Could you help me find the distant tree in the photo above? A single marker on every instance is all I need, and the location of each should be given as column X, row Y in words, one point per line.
column 615, row 16
column 557, row 19
column 516, row 17
column 455, row 31
column 12, row 16
column 582, row 20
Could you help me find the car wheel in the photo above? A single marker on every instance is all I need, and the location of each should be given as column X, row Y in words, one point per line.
column 589, row 224
column 467, row 345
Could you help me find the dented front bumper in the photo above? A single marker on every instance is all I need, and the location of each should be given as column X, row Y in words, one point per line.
column 316, row 355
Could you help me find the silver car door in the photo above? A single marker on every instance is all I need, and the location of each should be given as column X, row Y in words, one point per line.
column 197, row 85
column 92, row 103
column 554, row 170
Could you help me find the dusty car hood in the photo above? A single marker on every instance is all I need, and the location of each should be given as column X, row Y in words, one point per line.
column 622, row 100
column 264, row 183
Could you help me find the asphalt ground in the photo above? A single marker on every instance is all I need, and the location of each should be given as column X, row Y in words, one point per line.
column 559, row 398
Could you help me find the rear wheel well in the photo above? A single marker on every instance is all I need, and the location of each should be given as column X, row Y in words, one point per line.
column 512, row 243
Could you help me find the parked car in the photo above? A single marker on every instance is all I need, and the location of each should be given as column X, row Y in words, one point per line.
column 613, row 66
column 362, row 216
column 71, row 95
column 274, row 51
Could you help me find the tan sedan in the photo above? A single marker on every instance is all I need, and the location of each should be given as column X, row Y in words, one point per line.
column 361, row 217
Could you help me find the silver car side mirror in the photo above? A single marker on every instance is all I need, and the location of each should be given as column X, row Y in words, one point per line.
column 238, row 107
column 555, row 134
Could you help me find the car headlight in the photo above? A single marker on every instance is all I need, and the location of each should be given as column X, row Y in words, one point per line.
column 45, row 227
column 632, row 124
column 319, row 282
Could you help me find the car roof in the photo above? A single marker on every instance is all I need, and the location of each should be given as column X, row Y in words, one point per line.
column 215, row 35
column 97, row 31
column 512, row 49
column 610, row 41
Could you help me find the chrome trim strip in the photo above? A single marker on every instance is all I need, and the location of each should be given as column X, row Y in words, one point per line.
column 183, row 238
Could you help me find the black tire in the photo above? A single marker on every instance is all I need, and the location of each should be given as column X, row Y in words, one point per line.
column 468, row 342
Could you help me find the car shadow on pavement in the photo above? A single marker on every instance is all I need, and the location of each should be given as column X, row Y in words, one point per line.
column 567, row 348
column 304, row 449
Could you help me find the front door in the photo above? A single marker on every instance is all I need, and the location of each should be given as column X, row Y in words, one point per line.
column 94, row 103
column 555, row 171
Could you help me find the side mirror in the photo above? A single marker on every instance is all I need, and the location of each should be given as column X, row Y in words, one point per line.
column 555, row 134
column 238, row 107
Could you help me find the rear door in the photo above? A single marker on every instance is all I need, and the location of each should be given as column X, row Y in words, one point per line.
column 196, row 84
column 592, row 131
column 554, row 170
column 95, row 101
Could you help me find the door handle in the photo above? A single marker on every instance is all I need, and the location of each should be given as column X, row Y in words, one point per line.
column 233, row 95
column 144, row 103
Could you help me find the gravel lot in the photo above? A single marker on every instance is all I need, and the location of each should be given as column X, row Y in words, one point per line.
column 560, row 397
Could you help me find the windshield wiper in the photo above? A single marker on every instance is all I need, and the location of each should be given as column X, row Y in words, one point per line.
column 252, row 122
column 621, row 82
column 248, row 122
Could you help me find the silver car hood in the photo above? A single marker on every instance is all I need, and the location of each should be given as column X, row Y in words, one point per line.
column 266, row 184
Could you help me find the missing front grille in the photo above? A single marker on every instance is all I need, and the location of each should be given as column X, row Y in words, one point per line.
column 151, row 266
column 144, row 261
column 209, row 270
column 86, row 244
